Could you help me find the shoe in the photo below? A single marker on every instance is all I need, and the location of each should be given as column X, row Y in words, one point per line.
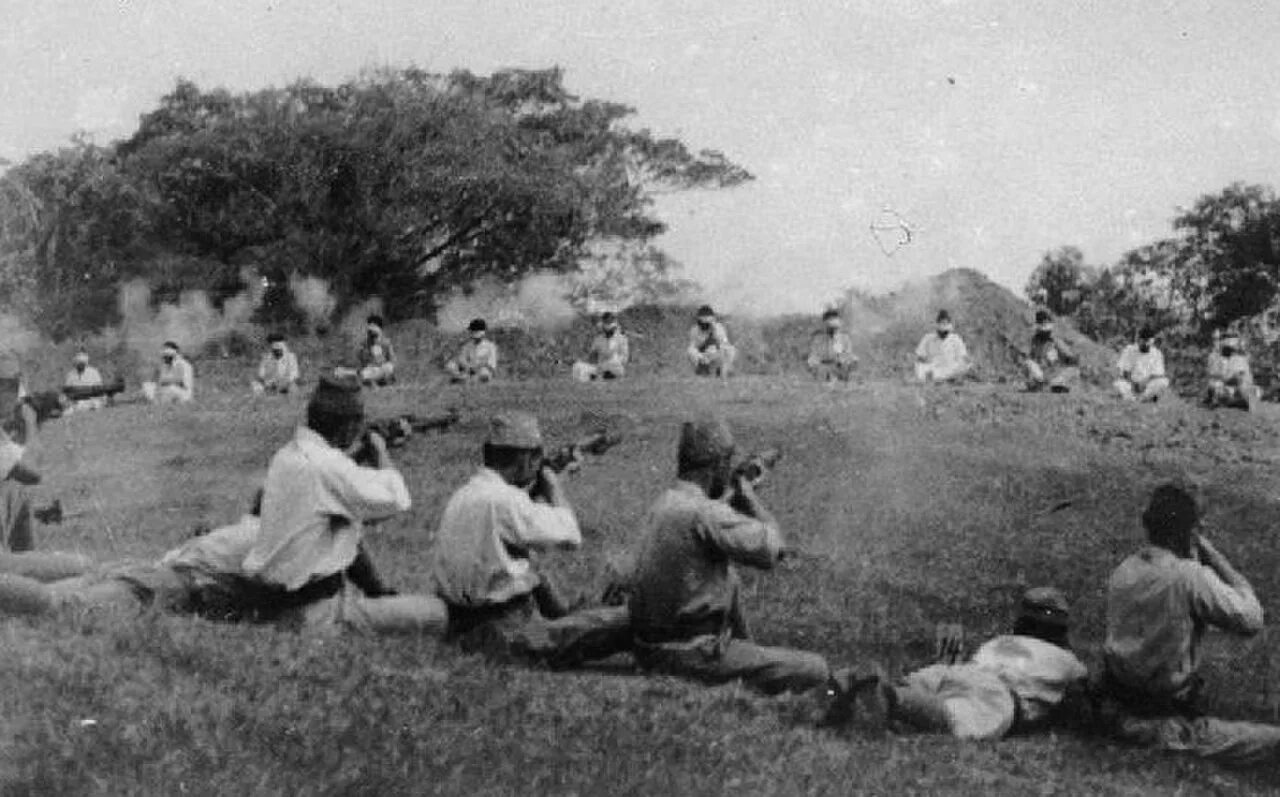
column 849, row 686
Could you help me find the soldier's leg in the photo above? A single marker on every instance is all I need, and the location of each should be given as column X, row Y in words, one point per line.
column 15, row 517
column 1225, row 741
column 571, row 640
column 924, row 372
column 1125, row 388
column 963, row 700
column 45, row 567
column 22, row 596
column 770, row 669
column 400, row 614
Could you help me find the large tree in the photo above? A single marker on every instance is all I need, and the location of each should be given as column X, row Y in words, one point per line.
column 405, row 184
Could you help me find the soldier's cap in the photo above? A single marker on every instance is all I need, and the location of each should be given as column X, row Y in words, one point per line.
column 477, row 325
column 1046, row 605
column 1043, row 317
column 338, row 395
column 706, row 440
column 830, row 312
column 608, row 316
column 10, row 368
column 81, row 357
column 1230, row 340
column 943, row 317
column 275, row 337
column 168, row 344
column 1146, row 333
column 515, row 430
column 1172, row 505
column 375, row 320
column 705, row 311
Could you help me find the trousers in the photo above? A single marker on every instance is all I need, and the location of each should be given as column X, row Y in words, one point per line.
column 714, row 659
column 519, row 628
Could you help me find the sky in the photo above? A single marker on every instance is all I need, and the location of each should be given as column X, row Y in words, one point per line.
column 994, row 131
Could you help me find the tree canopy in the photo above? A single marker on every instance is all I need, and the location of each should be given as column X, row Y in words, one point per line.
column 1220, row 268
column 402, row 184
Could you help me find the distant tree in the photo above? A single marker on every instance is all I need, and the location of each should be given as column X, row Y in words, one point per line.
column 72, row 225
column 614, row 274
column 1062, row 280
column 1230, row 250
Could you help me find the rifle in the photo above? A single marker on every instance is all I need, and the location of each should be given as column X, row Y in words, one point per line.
column 86, row 392
column 399, row 430
column 568, row 458
column 756, row 465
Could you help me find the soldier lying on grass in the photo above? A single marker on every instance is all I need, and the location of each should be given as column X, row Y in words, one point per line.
column 1014, row 683
column 202, row 576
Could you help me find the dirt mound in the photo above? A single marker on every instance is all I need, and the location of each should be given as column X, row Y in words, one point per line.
column 992, row 320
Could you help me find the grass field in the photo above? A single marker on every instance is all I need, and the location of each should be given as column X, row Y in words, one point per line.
column 911, row 507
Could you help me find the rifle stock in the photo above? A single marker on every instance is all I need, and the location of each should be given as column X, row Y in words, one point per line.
column 568, row 458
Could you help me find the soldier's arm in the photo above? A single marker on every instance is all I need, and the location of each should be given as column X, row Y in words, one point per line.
column 1220, row 595
column 751, row 537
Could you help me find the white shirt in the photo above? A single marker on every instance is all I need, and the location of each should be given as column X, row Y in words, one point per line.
column 1140, row 367
column 701, row 341
column 279, row 371
column 314, row 506
column 476, row 355
column 472, row 563
column 1158, row 606
column 1038, row 672
column 178, row 372
column 87, row 378
column 612, row 349
column 948, row 352
column 220, row 551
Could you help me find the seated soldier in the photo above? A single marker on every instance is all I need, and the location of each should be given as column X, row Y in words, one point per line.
column 686, row 614
column 84, row 375
column 1141, row 367
column 610, row 352
column 514, row 505
column 17, row 433
column 174, row 379
column 709, row 350
column 942, row 355
column 1160, row 602
column 1013, row 683
column 831, row 354
column 1051, row 363
column 376, row 357
column 478, row 359
column 1231, row 378
column 308, row 561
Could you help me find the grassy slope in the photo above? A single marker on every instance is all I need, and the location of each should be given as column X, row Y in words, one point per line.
column 915, row 508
